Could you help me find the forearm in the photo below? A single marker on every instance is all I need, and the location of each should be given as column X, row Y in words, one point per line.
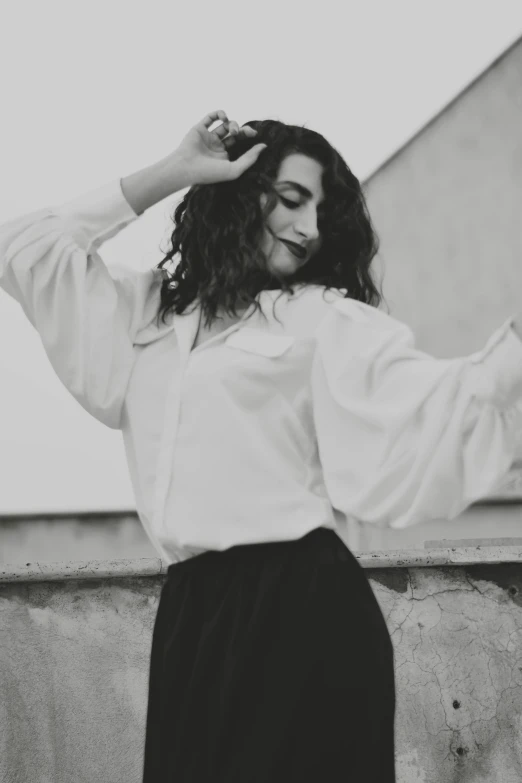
column 152, row 184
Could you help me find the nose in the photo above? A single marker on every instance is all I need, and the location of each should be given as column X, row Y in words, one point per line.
column 306, row 224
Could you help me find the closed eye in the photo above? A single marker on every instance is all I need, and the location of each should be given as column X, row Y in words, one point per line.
column 288, row 203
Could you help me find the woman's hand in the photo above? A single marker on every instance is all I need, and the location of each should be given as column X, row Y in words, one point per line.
column 203, row 154
column 201, row 159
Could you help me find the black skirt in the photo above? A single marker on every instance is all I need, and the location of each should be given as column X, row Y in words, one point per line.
column 270, row 663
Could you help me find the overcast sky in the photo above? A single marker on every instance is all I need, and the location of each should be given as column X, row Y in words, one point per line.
column 91, row 93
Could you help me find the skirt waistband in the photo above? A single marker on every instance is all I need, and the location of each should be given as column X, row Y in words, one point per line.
column 323, row 545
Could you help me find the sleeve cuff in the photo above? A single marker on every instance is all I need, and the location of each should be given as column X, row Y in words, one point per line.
column 499, row 367
column 96, row 216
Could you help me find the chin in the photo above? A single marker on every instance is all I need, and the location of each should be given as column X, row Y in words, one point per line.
column 284, row 267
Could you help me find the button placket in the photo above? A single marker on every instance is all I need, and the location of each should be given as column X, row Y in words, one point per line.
column 182, row 332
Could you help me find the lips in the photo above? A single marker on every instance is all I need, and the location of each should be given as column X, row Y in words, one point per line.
column 295, row 249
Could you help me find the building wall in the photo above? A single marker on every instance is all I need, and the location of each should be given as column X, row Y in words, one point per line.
column 447, row 208
column 52, row 538
column 111, row 536
column 74, row 673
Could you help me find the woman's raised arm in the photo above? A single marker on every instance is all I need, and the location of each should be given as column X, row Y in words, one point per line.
column 200, row 159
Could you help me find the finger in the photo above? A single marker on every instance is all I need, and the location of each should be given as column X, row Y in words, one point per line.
column 221, row 131
column 240, row 165
column 231, row 128
column 245, row 132
column 212, row 116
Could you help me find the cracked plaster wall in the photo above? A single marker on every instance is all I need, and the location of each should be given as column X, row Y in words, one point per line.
column 74, row 671
column 457, row 636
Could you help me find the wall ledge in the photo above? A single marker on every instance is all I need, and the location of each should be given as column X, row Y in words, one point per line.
column 81, row 569
column 454, row 556
column 113, row 569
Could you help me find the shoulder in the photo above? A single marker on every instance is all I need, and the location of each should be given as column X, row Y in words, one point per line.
column 138, row 292
column 315, row 305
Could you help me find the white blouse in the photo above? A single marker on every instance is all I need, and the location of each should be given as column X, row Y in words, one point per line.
column 324, row 414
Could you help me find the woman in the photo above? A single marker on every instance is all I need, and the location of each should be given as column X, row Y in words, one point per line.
column 253, row 436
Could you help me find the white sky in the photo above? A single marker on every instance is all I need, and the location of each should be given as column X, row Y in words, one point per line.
column 93, row 92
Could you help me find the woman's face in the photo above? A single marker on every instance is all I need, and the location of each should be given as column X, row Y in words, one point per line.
column 293, row 222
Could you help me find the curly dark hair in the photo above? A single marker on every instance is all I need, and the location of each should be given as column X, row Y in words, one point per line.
column 219, row 228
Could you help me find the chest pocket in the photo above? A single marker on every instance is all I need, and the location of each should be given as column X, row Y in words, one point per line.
column 255, row 341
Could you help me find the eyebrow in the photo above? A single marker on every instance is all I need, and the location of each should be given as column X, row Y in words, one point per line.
column 300, row 188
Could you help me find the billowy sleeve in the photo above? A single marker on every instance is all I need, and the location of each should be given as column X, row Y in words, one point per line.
column 404, row 437
column 84, row 313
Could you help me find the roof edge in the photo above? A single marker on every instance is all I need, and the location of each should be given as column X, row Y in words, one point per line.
column 411, row 139
column 85, row 515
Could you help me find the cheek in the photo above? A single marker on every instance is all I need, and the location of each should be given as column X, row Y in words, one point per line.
column 277, row 220
column 267, row 242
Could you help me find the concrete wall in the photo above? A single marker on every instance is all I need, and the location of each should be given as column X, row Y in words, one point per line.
column 457, row 635
column 74, row 657
column 73, row 665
